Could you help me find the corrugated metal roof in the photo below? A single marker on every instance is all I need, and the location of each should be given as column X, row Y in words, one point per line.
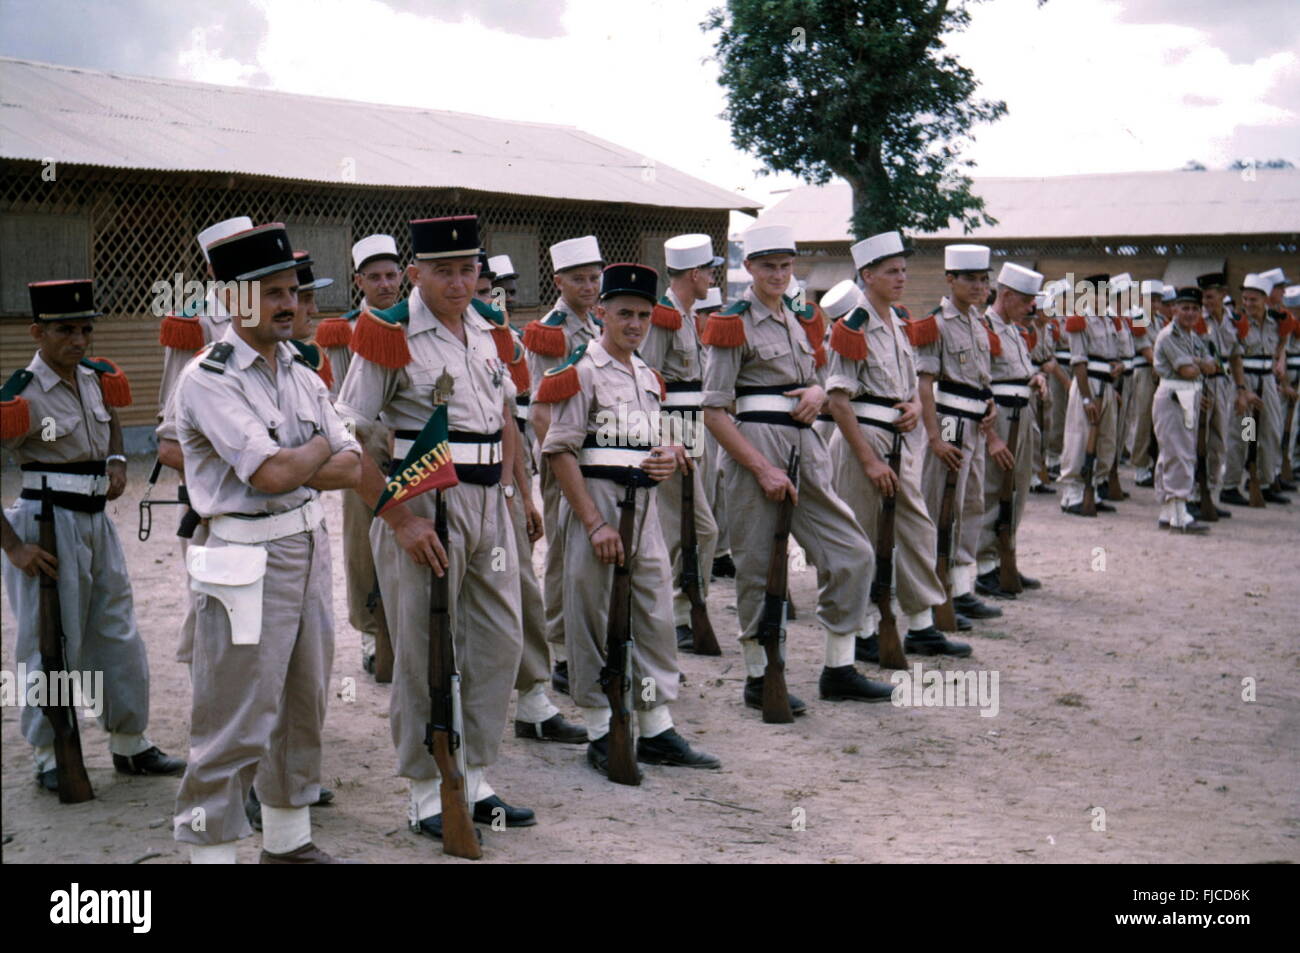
column 1086, row 206
column 121, row 121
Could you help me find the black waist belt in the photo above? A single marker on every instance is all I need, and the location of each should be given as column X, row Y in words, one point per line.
column 870, row 421
column 683, row 387
column 1011, row 400
column 779, row 417
column 630, row 475
column 81, row 502
column 1103, row 376
column 481, row 474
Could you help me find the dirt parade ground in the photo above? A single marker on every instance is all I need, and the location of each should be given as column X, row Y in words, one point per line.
column 1146, row 709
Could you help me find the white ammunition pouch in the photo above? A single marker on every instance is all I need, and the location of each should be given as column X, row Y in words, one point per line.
column 233, row 576
column 1188, row 395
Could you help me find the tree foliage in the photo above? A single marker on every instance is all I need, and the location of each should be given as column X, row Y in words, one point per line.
column 862, row 89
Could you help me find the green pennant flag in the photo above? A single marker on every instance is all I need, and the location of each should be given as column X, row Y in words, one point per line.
column 427, row 467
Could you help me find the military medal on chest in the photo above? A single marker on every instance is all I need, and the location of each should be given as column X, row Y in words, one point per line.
column 443, row 387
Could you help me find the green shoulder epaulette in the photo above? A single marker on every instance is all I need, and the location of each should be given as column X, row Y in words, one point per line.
column 16, row 384
column 489, row 312
column 735, row 308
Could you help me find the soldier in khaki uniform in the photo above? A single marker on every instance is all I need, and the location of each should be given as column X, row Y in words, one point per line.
column 1224, row 388
column 1096, row 365
column 871, row 379
column 1041, row 333
column 550, row 341
column 1181, row 360
column 1146, row 325
column 1291, row 301
column 377, row 274
column 536, row 717
column 952, row 347
column 260, row 441
column 672, row 348
column 57, row 418
column 602, row 436
column 759, row 357
column 436, row 340
column 1261, row 349
column 1120, row 309
column 1285, row 387
column 1058, row 384
column 1014, row 381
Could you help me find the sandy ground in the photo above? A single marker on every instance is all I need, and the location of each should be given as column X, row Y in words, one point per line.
column 1119, row 689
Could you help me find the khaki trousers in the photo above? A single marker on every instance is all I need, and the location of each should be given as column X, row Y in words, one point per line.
column 1143, row 382
column 993, row 477
column 1076, row 441
column 668, row 496
column 258, row 710
column 535, row 662
column 1175, row 473
column 485, row 620
column 1268, row 432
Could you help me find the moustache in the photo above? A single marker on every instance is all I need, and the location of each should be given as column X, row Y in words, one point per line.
column 283, row 314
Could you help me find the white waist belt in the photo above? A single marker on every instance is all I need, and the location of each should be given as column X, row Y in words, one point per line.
column 462, row 453
column 683, row 398
column 886, row 415
column 1293, row 361
column 970, row 405
column 1062, row 356
column 1185, row 392
column 1168, row 384
column 1102, row 367
column 1140, row 362
column 521, row 408
column 612, row 456
column 83, row 484
column 1010, row 390
column 1257, row 365
column 301, row 519
column 766, row 402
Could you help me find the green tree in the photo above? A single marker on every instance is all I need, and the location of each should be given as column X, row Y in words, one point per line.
column 862, row 89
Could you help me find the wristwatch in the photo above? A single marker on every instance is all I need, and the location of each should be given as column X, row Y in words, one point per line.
column 1087, row 401
column 509, row 491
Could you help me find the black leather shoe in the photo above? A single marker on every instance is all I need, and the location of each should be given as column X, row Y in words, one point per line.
column 1103, row 491
column 1282, row 486
column 1233, row 497
column 972, row 608
column 325, row 796
column 1043, row 489
column 723, row 567
column 560, row 678
column 754, row 697
column 1223, row 514
column 685, row 638
column 554, row 728
column 963, row 624
column 598, row 753
column 1146, row 481
column 253, row 810
column 867, row 650
column 987, row 584
column 930, row 641
column 670, row 748
column 490, row 808
column 846, row 683
column 1076, row 509
column 150, row 761
column 1105, row 507
column 368, row 663
column 1270, row 496
column 432, row 827
column 308, row 853
column 49, row 780
column 1028, row 582
column 1054, row 471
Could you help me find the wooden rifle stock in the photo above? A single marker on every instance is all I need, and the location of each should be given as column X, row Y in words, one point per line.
column 1252, row 461
column 1113, row 488
column 1288, row 473
column 705, row 641
column 74, row 783
column 444, row 734
column 616, row 676
column 890, row 647
column 1008, row 573
column 771, row 629
column 1089, row 506
column 383, row 641
column 945, row 616
column 1043, row 476
column 1209, row 512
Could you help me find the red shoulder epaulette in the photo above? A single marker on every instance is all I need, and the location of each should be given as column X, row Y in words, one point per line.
column 1116, row 320
column 180, row 333
column 663, row 388
column 995, row 342
column 1138, row 330
column 1288, row 327
column 505, row 343
column 560, row 382
column 724, row 330
column 1055, row 325
column 924, row 332
column 334, row 332
column 1076, row 324
column 15, row 412
column 544, row 339
column 815, row 329
column 670, row 319
column 519, row 370
column 326, row 369
column 1243, row 327
column 1030, row 336
column 1200, row 327
column 380, row 342
column 849, row 343
column 112, row 382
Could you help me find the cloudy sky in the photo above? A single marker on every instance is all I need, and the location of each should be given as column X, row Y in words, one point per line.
column 1091, row 85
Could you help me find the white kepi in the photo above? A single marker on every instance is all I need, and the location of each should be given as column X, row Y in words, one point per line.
column 966, row 258
column 878, row 248
column 372, row 247
column 502, row 267
column 684, row 252
column 1018, row 278
column 768, row 240
column 841, row 299
column 214, row 233
column 575, row 252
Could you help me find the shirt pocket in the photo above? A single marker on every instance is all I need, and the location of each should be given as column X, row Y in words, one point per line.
column 95, row 406
column 423, row 379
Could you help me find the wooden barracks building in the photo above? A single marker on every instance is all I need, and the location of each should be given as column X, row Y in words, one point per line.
column 111, row 176
column 1169, row 225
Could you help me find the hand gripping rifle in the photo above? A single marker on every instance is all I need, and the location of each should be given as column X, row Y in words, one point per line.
column 706, row 643
column 74, row 783
column 444, row 735
column 1008, row 574
column 890, row 647
column 616, row 676
column 945, row 616
column 771, row 629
